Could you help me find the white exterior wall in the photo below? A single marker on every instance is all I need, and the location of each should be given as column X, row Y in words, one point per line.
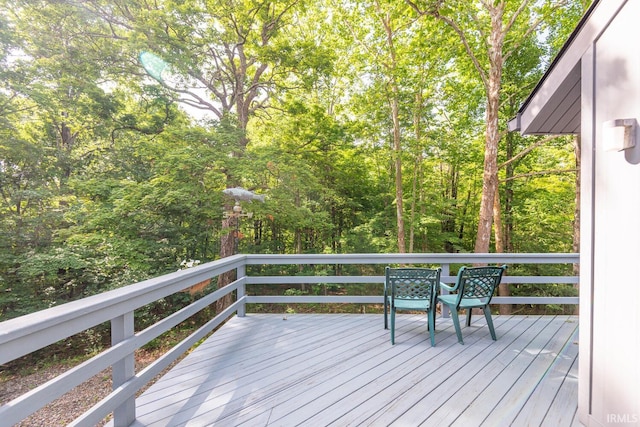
column 610, row 247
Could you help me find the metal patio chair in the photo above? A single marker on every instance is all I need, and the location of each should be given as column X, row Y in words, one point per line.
column 475, row 287
column 411, row 289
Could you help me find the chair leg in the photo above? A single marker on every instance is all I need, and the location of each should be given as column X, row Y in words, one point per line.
column 469, row 317
column 456, row 323
column 432, row 327
column 487, row 315
column 386, row 309
column 393, row 326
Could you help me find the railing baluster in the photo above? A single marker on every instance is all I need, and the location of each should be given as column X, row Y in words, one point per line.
column 241, row 292
column 445, row 309
column 121, row 329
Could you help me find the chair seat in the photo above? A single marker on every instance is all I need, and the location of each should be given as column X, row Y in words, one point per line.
column 473, row 302
column 448, row 299
column 408, row 304
column 464, row 303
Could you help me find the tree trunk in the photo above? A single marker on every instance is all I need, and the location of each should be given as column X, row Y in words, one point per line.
column 492, row 135
column 497, row 224
column 507, row 206
column 417, row 114
column 503, row 288
column 243, row 87
column 227, row 248
column 395, row 117
column 448, row 223
column 414, row 199
column 397, row 154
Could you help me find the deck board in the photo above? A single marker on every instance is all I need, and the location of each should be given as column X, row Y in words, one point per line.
column 447, row 400
column 341, row 370
column 535, row 410
column 529, row 369
column 420, row 391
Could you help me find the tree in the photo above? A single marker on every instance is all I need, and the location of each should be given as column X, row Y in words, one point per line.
column 391, row 65
column 229, row 58
column 490, row 31
column 400, row 63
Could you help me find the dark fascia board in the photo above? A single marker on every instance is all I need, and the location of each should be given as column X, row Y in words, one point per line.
column 515, row 123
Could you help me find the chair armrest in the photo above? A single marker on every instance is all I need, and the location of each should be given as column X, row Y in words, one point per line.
column 447, row 287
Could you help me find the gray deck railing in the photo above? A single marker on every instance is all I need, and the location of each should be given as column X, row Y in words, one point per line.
column 29, row 333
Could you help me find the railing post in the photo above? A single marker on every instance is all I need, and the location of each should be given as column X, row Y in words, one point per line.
column 121, row 329
column 241, row 272
column 445, row 309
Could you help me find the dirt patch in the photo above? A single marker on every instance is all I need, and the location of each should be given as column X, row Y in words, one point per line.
column 68, row 407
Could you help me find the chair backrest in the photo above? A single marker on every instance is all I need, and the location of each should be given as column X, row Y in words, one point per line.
column 478, row 283
column 413, row 283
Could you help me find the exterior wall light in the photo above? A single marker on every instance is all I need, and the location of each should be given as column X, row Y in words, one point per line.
column 619, row 134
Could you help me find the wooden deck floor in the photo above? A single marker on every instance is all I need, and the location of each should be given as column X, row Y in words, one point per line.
column 341, row 370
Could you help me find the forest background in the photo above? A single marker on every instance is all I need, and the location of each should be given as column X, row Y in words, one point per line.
column 369, row 127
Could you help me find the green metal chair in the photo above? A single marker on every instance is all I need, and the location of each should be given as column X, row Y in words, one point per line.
column 411, row 289
column 475, row 287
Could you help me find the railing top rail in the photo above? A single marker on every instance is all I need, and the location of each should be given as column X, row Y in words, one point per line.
column 413, row 258
column 103, row 307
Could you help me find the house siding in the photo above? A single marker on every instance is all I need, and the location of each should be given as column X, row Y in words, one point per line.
column 614, row 386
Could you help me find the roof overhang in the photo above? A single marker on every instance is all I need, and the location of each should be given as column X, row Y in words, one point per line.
column 554, row 106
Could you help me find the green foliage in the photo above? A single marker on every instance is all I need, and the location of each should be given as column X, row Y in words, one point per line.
column 295, row 292
column 106, row 180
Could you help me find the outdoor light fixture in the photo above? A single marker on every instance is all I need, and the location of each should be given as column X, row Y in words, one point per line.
column 619, row 134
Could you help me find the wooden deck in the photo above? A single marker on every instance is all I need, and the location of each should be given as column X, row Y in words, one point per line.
column 341, row 370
